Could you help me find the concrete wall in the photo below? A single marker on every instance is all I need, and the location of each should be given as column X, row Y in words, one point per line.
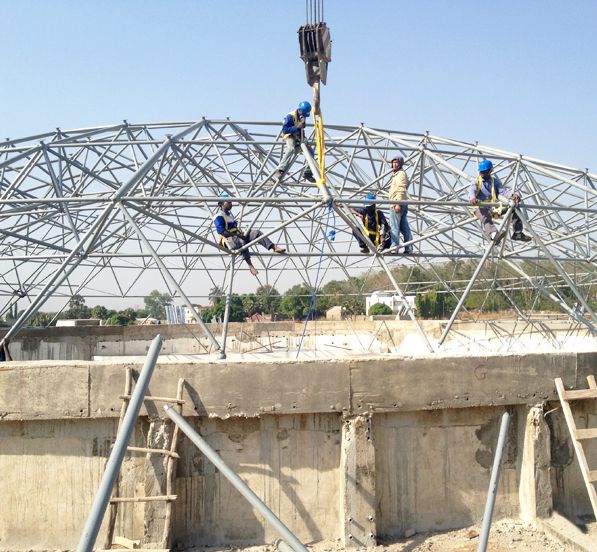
column 350, row 449
column 332, row 337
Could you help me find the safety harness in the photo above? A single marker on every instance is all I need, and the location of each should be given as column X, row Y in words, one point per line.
column 295, row 122
column 230, row 223
column 495, row 211
column 373, row 234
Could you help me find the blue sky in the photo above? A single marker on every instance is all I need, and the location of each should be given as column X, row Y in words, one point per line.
column 520, row 76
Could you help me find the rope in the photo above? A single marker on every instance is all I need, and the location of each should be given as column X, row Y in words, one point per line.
column 314, row 293
column 320, row 143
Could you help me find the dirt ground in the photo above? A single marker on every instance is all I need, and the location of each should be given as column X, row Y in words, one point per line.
column 505, row 536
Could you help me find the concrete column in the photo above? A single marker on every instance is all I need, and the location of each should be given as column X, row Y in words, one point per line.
column 535, row 493
column 358, row 489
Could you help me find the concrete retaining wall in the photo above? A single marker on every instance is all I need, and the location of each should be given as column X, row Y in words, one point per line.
column 332, row 338
column 351, row 449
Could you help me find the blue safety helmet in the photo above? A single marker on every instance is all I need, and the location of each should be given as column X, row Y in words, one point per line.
column 368, row 200
column 485, row 165
column 223, row 198
column 305, row 107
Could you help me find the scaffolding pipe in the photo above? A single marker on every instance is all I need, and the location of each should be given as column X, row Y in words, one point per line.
column 235, row 480
column 102, row 497
column 495, row 477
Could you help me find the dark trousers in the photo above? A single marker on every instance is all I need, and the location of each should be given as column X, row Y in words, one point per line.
column 238, row 240
column 486, row 218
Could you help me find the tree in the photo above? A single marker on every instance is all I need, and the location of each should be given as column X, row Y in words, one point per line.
column 99, row 312
column 268, row 299
column 130, row 313
column 118, row 320
column 435, row 303
column 296, row 301
column 379, row 308
column 216, row 295
column 77, row 308
column 155, row 303
column 237, row 312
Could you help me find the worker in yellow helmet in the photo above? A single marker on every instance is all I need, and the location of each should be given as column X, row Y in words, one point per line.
column 293, row 133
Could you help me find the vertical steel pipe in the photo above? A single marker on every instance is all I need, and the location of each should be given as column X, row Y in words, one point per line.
column 235, row 480
column 102, row 497
column 495, row 477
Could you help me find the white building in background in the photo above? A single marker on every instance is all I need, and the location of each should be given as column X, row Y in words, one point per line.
column 392, row 300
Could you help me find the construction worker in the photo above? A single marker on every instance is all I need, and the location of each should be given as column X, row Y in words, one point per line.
column 489, row 188
column 398, row 213
column 231, row 236
column 293, row 133
column 376, row 226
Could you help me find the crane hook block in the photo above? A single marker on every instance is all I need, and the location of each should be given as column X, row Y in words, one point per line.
column 316, row 51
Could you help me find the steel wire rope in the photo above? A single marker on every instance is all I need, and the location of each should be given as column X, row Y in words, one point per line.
column 314, row 292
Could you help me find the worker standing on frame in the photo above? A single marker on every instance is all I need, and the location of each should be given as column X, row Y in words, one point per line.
column 293, row 133
column 399, row 212
column 375, row 226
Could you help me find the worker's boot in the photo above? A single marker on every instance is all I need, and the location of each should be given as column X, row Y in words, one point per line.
column 520, row 236
column 308, row 176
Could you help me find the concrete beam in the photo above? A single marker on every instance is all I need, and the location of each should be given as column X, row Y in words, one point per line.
column 73, row 389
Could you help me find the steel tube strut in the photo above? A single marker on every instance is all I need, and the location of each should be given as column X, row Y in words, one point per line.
column 102, row 497
column 503, row 228
column 495, row 477
column 235, row 480
column 167, row 275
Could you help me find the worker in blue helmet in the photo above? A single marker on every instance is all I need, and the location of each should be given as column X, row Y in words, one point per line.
column 375, row 224
column 233, row 238
column 293, row 133
column 488, row 188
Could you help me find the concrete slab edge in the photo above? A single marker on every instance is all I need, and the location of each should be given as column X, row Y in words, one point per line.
column 568, row 534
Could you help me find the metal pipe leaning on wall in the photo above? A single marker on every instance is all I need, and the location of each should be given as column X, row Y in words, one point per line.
column 237, row 482
column 102, row 497
column 495, row 477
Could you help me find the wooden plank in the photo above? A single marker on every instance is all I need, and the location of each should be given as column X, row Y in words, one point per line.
column 165, row 452
column 579, row 394
column 162, row 498
column 171, row 464
column 580, row 454
column 113, row 507
column 591, row 381
column 156, row 399
column 126, row 543
column 590, row 433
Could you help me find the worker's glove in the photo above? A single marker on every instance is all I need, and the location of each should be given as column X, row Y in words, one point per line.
column 515, row 198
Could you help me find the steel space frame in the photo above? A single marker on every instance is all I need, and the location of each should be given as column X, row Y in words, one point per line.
column 100, row 211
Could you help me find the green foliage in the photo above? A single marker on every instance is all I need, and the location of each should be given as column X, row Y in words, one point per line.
column 237, row 312
column 155, row 303
column 268, row 299
column 295, row 302
column 99, row 312
column 435, row 303
column 77, row 308
column 118, row 320
column 379, row 308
